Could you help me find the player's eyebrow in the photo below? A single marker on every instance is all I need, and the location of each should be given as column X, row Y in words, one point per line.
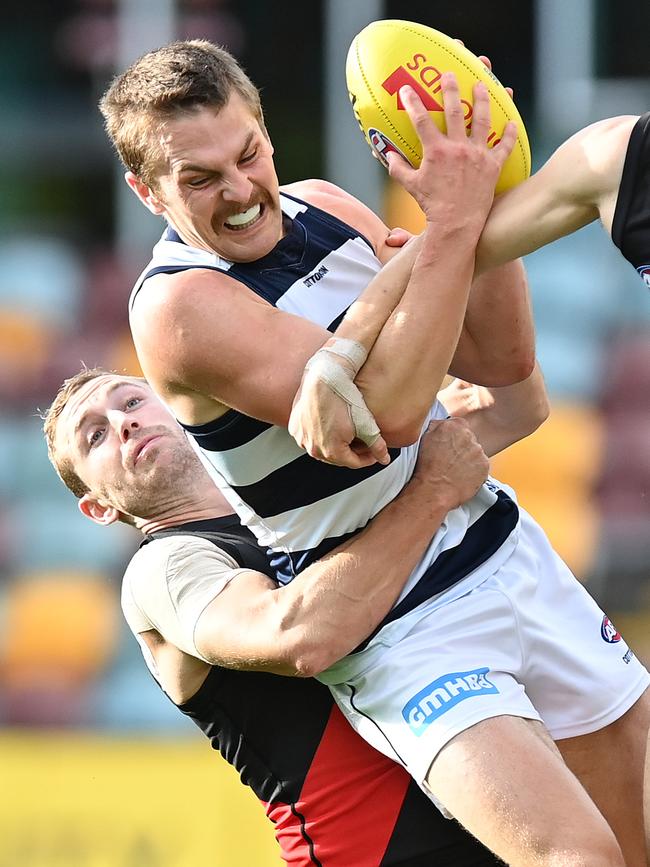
column 182, row 167
column 88, row 412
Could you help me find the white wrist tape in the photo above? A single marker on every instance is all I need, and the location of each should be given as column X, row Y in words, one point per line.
column 324, row 366
column 351, row 350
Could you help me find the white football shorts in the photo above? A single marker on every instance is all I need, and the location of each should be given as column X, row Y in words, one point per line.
column 528, row 641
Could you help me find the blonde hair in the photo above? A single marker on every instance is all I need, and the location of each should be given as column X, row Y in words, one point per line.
column 164, row 83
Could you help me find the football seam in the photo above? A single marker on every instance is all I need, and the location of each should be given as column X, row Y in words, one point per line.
column 462, row 62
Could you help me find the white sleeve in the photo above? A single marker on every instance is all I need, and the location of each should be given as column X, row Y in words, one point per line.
column 169, row 583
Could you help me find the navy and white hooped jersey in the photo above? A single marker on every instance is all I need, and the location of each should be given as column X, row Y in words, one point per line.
column 631, row 224
column 298, row 507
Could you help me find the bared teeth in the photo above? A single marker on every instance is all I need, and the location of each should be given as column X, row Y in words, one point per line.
column 245, row 217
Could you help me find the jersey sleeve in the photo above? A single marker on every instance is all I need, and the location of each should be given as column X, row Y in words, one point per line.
column 170, row 582
column 631, row 223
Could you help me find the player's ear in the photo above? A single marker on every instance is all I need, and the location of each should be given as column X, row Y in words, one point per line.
column 97, row 511
column 145, row 194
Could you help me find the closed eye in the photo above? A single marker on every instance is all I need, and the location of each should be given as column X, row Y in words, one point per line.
column 197, row 183
column 248, row 158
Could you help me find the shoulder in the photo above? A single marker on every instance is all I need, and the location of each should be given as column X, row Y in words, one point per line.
column 595, row 155
column 168, row 573
column 336, row 201
column 318, row 192
column 611, row 132
column 605, row 147
column 163, row 296
column 606, row 140
column 175, row 326
column 163, row 557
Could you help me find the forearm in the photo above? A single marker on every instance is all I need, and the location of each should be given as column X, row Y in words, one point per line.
column 330, row 607
column 305, row 626
column 497, row 343
column 499, row 417
column 368, row 315
column 413, row 351
column 578, row 184
column 333, row 605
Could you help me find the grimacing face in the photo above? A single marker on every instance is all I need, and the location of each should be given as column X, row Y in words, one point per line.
column 126, row 447
column 219, row 188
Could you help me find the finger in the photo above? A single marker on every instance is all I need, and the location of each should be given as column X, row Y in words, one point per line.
column 399, row 167
column 353, row 460
column 397, row 237
column 480, row 112
column 504, row 148
column 419, row 116
column 379, row 450
column 488, row 63
column 454, row 115
column 364, row 453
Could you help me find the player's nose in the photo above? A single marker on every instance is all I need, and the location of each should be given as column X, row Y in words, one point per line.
column 124, row 424
column 238, row 188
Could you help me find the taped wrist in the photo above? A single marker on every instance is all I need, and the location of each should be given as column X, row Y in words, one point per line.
column 353, row 351
column 325, row 367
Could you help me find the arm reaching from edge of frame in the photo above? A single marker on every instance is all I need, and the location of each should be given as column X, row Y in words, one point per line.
column 577, row 185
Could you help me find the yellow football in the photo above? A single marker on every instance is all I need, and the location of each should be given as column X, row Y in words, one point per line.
column 388, row 54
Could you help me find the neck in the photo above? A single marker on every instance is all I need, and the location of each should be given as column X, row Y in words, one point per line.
column 207, row 504
column 149, row 527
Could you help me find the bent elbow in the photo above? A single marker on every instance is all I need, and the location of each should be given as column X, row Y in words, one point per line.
column 311, row 663
column 402, row 428
column 305, row 654
column 523, row 365
column 510, row 371
column 535, row 416
column 312, row 657
column 540, row 413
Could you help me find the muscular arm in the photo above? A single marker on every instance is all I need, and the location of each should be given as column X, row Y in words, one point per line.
column 502, row 416
column 497, row 342
column 326, row 611
column 578, row 184
column 205, row 343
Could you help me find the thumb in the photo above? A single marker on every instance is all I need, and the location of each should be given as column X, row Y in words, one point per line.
column 397, row 237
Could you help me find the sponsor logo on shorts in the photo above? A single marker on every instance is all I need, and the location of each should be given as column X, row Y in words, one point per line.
column 644, row 272
column 443, row 694
column 382, row 145
column 628, row 656
column 609, row 631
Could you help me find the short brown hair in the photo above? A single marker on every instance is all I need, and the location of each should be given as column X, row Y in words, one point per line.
column 62, row 463
column 162, row 84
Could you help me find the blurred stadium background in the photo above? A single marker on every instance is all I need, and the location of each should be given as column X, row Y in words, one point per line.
column 96, row 767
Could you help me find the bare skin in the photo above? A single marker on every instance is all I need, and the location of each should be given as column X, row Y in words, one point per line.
column 198, row 392
column 199, row 383
column 577, row 185
column 521, row 799
column 138, row 464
